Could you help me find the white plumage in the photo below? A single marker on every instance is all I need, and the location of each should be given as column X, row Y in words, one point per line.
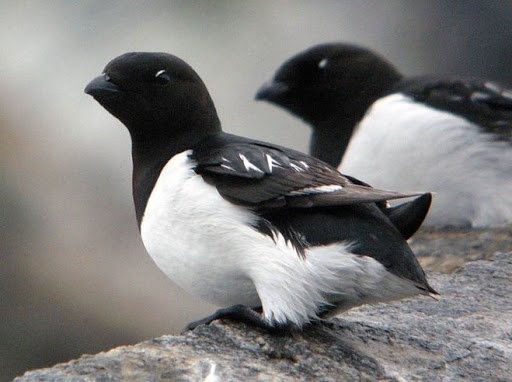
column 206, row 245
column 406, row 145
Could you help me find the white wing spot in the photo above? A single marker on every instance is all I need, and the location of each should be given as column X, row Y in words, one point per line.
column 225, row 159
column 296, row 168
column 247, row 164
column 507, row 94
column 317, row 190
column 479, row 96
column 272, row 162
column 322, row 64
column 227, row 167
column 492, row 87
column 306, row 166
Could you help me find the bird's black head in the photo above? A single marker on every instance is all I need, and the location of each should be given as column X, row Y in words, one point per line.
column 157, row 96
column 328, row 81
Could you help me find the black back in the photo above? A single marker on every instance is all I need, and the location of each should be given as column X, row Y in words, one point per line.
column 484, row 103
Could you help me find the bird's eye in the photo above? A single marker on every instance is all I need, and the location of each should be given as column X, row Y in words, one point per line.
column 162, row 77
column 323, row 63
column 106, row 77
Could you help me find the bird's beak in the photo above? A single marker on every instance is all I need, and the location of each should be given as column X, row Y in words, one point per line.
column 271, row 90
column 100, row 87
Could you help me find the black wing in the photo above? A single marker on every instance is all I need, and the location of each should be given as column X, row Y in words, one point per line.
column 485, row 103
column 264, row 176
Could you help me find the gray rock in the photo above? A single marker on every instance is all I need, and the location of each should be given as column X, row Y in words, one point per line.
column 448, row 249
column 466, row 335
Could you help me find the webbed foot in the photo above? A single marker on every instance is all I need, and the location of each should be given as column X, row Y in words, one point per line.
column 240, row 313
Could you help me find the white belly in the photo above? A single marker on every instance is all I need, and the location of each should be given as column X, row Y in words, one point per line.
column 192, row 236
column 406, row 146
column 206, row 245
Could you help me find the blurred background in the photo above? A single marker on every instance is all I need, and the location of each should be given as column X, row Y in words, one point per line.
column 74, row 277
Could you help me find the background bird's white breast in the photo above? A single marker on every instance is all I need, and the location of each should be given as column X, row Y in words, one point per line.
column 405, row 145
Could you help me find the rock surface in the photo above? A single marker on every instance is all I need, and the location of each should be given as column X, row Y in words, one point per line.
column 466, row 335
column 448, row 249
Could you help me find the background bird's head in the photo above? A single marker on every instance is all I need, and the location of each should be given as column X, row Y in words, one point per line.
column 329, row 80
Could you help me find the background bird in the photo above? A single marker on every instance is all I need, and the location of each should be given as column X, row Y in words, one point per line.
column 446, row 134
column 246, row 224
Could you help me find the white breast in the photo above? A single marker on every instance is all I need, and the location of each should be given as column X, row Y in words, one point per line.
column 190, row 230
column 206, row 245
column 407, row 146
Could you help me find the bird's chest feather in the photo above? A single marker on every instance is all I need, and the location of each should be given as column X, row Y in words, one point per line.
column 196, row 237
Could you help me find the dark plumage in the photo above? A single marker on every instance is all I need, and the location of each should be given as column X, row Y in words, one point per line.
column 247, row 223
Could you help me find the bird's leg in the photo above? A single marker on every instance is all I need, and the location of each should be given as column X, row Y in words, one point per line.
column 240, row 313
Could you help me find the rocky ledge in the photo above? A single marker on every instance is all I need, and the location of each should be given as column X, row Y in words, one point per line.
column 466, row 335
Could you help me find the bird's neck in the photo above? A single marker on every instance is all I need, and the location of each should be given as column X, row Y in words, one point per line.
column 151, row 152
column 330, row 139
column 154, row 141
column 331, row 136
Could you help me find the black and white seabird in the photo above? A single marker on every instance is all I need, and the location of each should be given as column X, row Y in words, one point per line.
column 248, row 225
column 446, row 134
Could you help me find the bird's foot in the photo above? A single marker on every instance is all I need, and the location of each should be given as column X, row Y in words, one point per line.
column 239, row 313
